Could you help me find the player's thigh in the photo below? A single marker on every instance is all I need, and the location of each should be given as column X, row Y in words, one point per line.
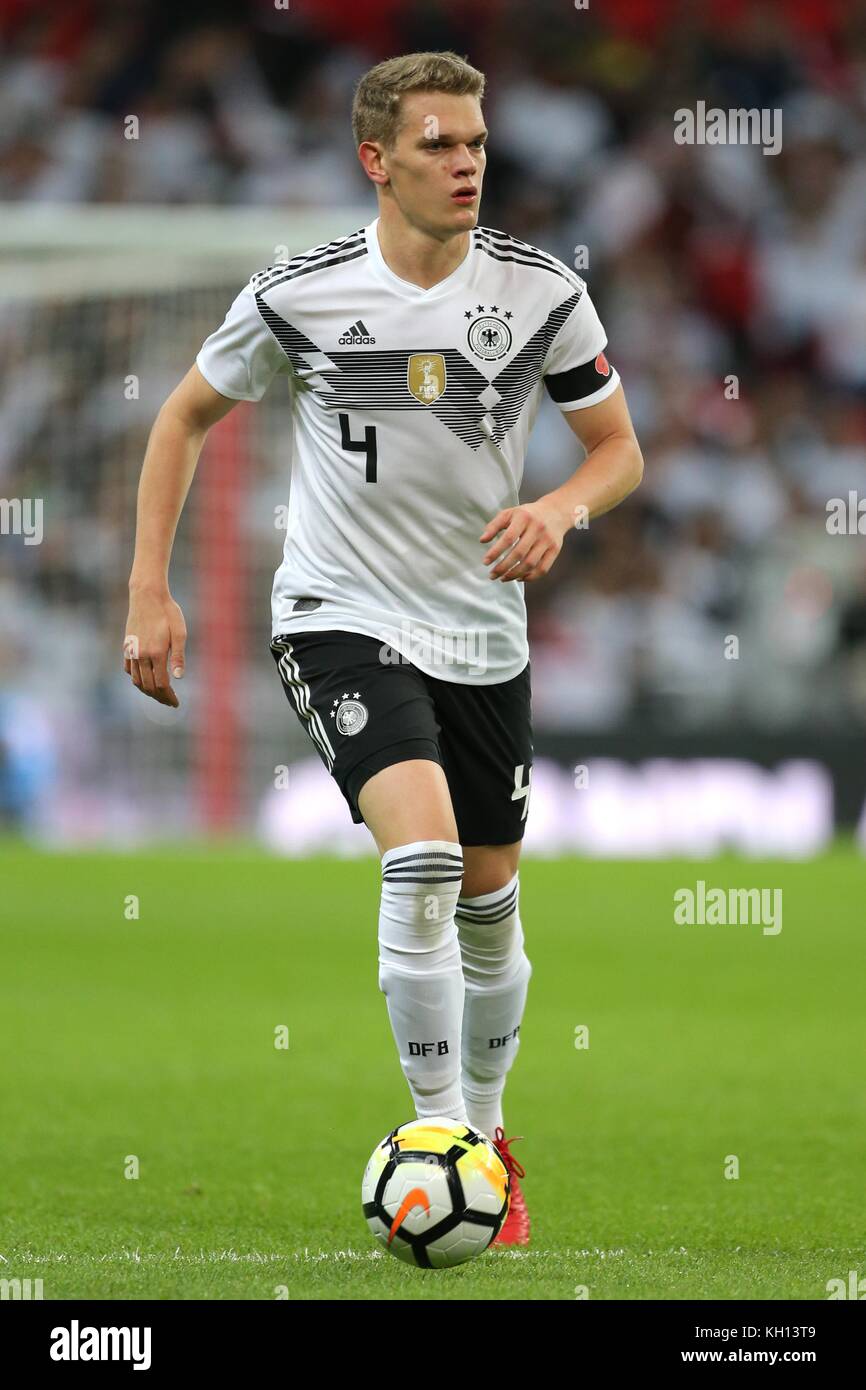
column 408, row 801
column 366, row 715
column 488, row 867
column 486, row 744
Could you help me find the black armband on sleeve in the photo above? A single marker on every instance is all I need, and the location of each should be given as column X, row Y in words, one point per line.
column 580, row 381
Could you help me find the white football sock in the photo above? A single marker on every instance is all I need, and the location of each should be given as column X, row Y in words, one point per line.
column 497, row 972
column 420, row 972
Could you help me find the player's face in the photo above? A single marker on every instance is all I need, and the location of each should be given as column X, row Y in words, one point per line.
column 436, row 166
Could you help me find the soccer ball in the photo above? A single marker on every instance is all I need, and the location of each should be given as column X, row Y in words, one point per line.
column 435, row 1192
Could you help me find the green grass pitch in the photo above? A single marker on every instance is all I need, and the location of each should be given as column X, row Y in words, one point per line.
column 155, row 1038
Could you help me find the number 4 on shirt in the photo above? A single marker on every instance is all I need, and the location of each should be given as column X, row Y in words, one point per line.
column 366, row 446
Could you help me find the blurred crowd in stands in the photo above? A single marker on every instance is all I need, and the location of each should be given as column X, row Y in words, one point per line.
column 731, row 282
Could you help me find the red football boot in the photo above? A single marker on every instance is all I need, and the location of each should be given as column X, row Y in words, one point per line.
column 515, row 1227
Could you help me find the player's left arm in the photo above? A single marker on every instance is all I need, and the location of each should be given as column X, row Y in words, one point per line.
column 533, row 532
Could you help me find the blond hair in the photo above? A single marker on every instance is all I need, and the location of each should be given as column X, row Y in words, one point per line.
column 376, row 107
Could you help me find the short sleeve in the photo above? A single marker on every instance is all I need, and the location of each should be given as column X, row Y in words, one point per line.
column 576, row 371
column 241, row 358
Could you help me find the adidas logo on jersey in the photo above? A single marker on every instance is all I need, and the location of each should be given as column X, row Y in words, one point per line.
column 356, row 336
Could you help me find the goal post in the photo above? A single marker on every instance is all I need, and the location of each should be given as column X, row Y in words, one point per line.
column 104, row 309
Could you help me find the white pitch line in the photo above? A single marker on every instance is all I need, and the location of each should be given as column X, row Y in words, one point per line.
column 308, row 1256
column 305, row 1256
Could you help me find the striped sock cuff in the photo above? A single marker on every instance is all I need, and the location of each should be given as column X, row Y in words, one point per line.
column 423, row 861
column 490, row 907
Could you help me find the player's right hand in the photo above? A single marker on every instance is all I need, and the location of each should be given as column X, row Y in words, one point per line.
column 155, row 631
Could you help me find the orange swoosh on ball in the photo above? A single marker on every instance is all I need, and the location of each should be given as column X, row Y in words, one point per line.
column 416, row 1198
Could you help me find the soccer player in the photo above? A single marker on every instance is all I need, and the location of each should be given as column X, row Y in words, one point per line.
column 416, row 350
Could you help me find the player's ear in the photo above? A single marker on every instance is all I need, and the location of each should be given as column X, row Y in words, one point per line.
column 370, row 153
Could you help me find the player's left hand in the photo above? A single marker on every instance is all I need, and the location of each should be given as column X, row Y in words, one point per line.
column 532, row 534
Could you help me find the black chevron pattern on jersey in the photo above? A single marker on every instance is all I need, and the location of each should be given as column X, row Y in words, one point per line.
column 295, row 345
column 377, row 380
column 517, row 380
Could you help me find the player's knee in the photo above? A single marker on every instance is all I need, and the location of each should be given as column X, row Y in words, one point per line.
column 490, row 870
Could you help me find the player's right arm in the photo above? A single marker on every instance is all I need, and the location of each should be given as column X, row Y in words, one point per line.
column 155, row 625
column 236, row 363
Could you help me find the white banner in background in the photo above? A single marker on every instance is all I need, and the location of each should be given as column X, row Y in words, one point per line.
column 605, row 808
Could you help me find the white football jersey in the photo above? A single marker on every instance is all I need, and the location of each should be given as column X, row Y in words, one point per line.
column 412, row 410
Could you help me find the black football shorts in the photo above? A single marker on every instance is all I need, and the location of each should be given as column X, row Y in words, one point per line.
column 364, row 713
